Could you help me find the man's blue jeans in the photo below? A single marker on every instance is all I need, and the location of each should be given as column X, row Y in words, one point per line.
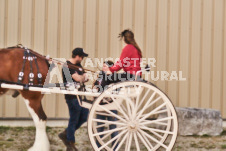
column 111, row 127
column 78, row 116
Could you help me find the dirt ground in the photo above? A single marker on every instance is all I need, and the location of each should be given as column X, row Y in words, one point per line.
column 21, row 138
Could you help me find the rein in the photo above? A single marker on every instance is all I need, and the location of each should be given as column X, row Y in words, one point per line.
column 51, row 59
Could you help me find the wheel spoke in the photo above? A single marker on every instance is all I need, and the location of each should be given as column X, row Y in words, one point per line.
column 120, row 109
column 136, row 142
column 141, row 102
column 128, row 108
column 145, row 141
column 119, row 135
column 157, row 123
column 110, row 112
column 146, row 104
column 158, row 120
column 104, row 114
column 152, row 112
column 109, row 131
column 152, row 138
column 161, row 111
column 140, row 89
column 102, row 125
column 109, row 122
column 155, row 133
column 116, row 142
column 130, row 141
column 156, row 130
column 123, row 140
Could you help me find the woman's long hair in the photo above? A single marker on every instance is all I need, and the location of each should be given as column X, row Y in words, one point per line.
column 129, row 39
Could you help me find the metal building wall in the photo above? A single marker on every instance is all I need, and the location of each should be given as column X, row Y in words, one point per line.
column 183, row 35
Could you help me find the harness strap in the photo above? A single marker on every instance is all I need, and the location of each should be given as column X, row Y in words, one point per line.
column 31, row 74
column 21, row 74
column 38, row 71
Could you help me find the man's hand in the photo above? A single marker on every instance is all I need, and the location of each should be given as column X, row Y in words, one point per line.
column 86, row 78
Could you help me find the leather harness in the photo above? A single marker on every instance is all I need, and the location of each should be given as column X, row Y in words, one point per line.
column 30, row 57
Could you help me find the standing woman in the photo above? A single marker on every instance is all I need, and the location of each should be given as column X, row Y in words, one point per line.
column 129, row 61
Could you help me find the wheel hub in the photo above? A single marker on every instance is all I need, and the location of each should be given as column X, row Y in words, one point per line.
column 133, row 126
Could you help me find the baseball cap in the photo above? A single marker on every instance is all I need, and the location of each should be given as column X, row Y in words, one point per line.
column 80, row 52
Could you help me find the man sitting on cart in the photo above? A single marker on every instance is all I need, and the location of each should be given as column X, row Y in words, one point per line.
column 78, row 114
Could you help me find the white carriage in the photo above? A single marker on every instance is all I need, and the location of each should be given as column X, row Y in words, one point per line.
column 145, row 117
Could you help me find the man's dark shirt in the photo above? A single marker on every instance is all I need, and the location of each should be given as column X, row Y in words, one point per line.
column 72, row 71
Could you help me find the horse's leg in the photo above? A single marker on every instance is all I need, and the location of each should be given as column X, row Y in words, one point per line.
column 41, row 140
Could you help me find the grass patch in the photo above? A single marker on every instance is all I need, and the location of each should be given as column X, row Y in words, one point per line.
column 223, row 146
column 18, row 129
column 211, row 146
column 10, row 140
column 3, row 129
column 205, row 135
column 31, row 128
column 48, row 128
column 194, row 145
column 223, row 133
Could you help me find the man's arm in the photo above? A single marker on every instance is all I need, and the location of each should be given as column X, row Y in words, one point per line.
column 79, row 78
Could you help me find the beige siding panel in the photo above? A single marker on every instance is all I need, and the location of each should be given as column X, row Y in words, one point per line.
column 217, row 52
column 49, row 102
column 12, row 39
column 127, row 14
column 12, row 24
column 184, row 53
column 22, row 108
column 139, row 23
column 65, row 24
column 162, row 41
column 90, row 41
column 50, row 105
column 195, row 53
column 2, row 21
column 26, row 23
column 224, row 67
column 64, row 48
column 2, row 39
column 206, row 54
column 151, row 32
column 173, row 49
column 115, row 44
column 103, row 32
column 78, row 23
column 39, row 27
column 62, row 109
column 52, row 29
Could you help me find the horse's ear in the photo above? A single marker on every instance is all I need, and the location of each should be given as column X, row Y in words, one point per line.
column 147, row 68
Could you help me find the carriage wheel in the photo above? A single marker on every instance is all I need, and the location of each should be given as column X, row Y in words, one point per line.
column 132, row 116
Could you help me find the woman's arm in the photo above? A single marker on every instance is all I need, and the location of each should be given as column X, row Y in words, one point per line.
column 121, row 62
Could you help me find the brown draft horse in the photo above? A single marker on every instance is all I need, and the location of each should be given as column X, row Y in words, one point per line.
column 11, row 62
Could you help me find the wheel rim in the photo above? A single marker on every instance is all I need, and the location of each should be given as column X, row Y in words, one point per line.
column 138, row 105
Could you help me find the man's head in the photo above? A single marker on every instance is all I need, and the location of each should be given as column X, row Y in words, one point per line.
column 78, row 54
